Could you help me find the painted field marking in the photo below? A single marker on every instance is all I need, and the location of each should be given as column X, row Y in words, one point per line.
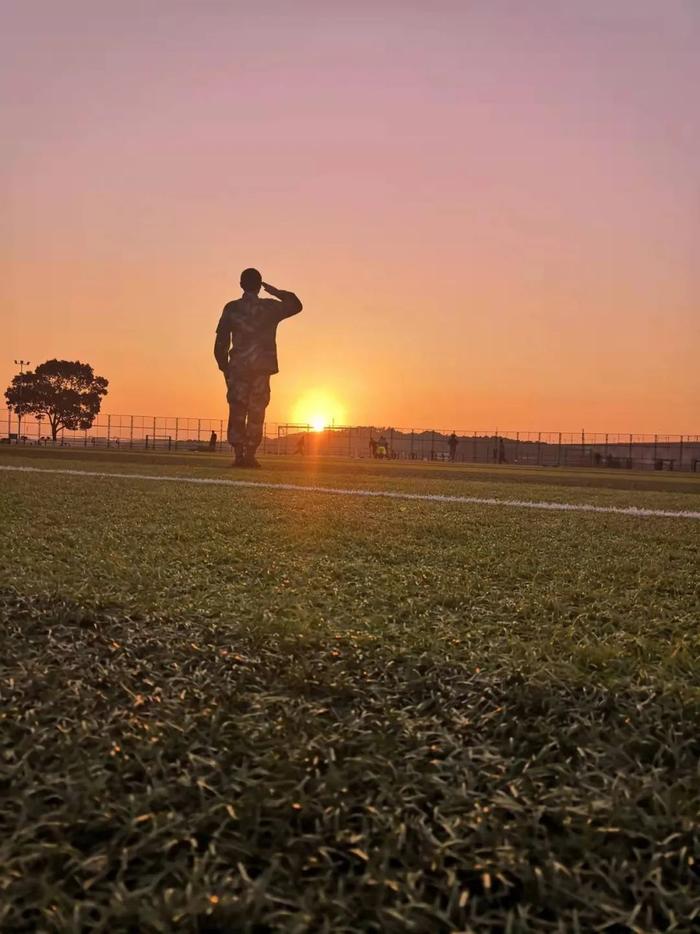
column 386, row 494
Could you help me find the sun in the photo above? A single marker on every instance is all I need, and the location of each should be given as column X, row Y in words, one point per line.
column 319, row 409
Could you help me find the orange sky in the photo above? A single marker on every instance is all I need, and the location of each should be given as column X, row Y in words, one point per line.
column 489, row 209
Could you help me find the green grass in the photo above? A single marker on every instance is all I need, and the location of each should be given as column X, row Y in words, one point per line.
column 257, row 710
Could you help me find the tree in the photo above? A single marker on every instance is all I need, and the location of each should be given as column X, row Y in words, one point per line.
column 67, row 392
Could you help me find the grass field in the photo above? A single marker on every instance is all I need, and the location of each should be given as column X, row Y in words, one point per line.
column 229, row 709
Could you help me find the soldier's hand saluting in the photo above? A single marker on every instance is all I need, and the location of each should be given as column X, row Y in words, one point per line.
column 271, row 290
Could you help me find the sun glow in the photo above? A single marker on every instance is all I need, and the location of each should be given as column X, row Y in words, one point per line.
column 319, row 410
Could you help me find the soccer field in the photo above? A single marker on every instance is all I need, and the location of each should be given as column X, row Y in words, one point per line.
column 241, row 708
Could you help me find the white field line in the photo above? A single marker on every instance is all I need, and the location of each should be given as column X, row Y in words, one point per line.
column 386, row 494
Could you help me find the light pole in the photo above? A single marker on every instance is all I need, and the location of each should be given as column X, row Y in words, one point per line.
column 21, row 364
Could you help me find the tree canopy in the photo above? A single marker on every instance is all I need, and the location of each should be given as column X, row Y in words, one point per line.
column 67, row 392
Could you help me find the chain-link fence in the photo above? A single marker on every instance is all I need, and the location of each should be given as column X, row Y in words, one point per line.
column 138, row 432
column 529, row 448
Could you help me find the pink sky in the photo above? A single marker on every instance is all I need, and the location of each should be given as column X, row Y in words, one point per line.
column 490, row 208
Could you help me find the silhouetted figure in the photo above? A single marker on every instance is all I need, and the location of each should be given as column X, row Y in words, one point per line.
column 301, row 446
column 452, row 443
column 212, row 441
column 372, row 447
column 501, row 451
column 246, row 352
column 382, row 448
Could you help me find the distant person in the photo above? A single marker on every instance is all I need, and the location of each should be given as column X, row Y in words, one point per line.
column 382, row 448
column 501, row 452
column 301, row 446
column 212, row 441
column 372, row 447
column 452, row 443
column 246, row 353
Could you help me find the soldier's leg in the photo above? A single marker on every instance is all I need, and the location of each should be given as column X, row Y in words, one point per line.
column 237, row 396
column 258, row 400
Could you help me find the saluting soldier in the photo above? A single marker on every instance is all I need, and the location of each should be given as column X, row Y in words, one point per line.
column 246, row 353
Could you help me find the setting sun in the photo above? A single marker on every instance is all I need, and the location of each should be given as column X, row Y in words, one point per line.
column 318, row 409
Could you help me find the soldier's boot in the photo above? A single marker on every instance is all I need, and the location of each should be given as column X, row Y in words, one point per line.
column 250, row 460
column 239, row 456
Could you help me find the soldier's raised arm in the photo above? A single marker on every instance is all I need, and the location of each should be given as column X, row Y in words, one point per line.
column 223, row 341
column 288, row 301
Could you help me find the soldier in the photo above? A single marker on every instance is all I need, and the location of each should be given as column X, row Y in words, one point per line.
column 248, row 328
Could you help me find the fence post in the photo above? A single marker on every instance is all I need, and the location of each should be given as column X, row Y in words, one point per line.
column 177, row 422
column 199, row 430
column 412, row 442
column 539, row 448
column 680, row 452
column 109, row 430
column 656, row 444
column 131, row 432
column 559, row 451
column 474, row 457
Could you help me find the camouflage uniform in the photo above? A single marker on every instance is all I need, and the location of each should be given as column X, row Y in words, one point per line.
column 246, row 352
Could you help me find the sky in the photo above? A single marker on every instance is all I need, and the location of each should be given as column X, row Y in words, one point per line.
column 489, row 208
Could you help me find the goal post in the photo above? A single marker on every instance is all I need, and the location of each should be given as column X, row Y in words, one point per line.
column 164, row 442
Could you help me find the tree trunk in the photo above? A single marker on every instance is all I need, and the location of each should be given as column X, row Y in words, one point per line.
column 54, row 428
